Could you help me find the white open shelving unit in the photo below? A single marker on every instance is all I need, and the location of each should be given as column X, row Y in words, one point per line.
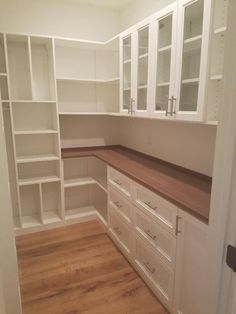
column 87, row 76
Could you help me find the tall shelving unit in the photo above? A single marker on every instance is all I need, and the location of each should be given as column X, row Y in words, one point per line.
column 32, row 130
column 216, row 63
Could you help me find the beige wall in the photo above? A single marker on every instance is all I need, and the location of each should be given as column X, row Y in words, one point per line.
column 185, row 144
column 63, row 18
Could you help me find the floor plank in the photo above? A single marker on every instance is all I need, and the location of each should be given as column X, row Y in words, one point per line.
column 78, row 270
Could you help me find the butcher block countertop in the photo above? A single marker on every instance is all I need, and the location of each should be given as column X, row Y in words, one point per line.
column 189, row 190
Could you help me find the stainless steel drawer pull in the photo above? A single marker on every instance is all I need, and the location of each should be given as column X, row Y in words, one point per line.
column 177, row 219
column 150, row 205
column 117, row 230
column 149, row 267
column 148, row 232
column 117, row 203
column 117, row 182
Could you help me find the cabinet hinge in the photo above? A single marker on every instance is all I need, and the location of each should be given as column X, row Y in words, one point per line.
column 231, row 257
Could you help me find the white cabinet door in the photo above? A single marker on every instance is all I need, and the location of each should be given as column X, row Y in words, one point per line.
column 190, row 295
column 193, row 41
column 163, row 35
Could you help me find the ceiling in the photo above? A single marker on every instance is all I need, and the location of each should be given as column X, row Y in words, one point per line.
column 112, row 4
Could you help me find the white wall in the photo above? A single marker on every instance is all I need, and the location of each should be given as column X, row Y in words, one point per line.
column 89, row 131
column 137, row 10
column 58, row 18
column 185, row 144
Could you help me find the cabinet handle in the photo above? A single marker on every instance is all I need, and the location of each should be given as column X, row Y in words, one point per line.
column 132, row 101
column 149, row 267
column 168, row 112
column 117, row 203
column 118, row 182
column 177, row 219
column 117, row 230
column 173, row 108
column 148, row 232
column 150, row 205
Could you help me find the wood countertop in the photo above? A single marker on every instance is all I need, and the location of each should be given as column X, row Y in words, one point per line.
column 189, row 190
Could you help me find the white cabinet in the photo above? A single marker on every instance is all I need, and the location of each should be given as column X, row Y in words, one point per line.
column 190, row 292
column 135, row 70
column 164, row 63
column 165, row 244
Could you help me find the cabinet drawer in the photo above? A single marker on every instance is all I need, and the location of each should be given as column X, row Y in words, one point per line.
column 160, row 209
column 121, row 232
column 119, row 181
column 155, row 270
column 161, row 240
column 120, row 204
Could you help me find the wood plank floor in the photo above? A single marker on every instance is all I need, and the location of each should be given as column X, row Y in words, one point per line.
column 77, row 269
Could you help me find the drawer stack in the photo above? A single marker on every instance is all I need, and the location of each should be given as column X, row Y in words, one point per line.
column 143, row 224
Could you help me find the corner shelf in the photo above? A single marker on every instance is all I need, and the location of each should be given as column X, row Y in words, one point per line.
column 28, row 132
column 165, row 49
column 80, row 212
column 92, row 80
column 192, row 81
column 79, row 182
column 37, row 180
column 50, row 217
column 35, row 158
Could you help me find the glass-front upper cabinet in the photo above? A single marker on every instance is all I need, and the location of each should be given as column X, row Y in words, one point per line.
column 192, row 67
column 126, row 66
column 141, row 103
column 164, row 57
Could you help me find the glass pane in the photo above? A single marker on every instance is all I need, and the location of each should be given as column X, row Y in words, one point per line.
column 191, row 56
column 142, row 68
column 126, row 72
column 193, row 19
column 163, row 63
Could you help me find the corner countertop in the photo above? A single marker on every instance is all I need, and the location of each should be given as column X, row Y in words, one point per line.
column 187, row 189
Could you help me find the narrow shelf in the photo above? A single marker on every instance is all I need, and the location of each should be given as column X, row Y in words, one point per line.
column 89, row 113
column 38, row 180
column 93, row 80
column 217, row 77
column 30, row 221
column 79, row 182
column 145, row 55
column 192, row 39
column 220, row 30
column 34, row 158
column 127, row 61
column 80, row 212
column 165, row 48
column 28, row 132
column 191, row 81
column 50, row 217
column 3, row 74
column 142, row 86
column 163, row 84
column 34, row 101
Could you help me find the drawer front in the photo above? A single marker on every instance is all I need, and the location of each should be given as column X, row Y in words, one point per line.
column 162, row 241
column 156, row 271
column 120, row 231
column 120, row 182
column 160, row 209
column 120, row 204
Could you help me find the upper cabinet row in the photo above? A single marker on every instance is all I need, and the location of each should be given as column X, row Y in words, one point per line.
column 164, row 63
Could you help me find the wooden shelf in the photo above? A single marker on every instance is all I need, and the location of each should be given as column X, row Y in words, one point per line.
column 30, row 221
column 165, row 49
column 192, row 81
column 163, row 84
column 93, row 80
column 217, row 77
column 220, row 30
column 28, row 132
column 3, row 74
column 35, row 158
column 79, row 182
column 38, row 180
column 50, row 217
column 89, row 114
column 127, row 61
column 193, row 39
column 142, row 86
column 33, row 101
column 80, row 212
column 145, row 55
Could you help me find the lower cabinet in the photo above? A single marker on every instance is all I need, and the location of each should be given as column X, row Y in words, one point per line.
column 165, row 245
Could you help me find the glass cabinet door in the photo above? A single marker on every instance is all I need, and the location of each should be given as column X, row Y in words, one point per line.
column 192, row 47
column 126, row 65
column 163, row 69
column 142, row 71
